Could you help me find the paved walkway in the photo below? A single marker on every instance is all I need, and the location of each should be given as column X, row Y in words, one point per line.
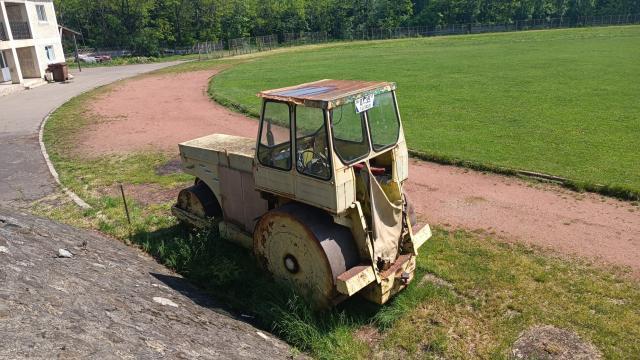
column 23, row 172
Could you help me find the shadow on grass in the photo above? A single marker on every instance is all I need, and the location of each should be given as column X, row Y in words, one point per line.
column 228, row 274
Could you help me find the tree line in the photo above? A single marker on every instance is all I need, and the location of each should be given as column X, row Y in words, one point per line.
column 148, row 25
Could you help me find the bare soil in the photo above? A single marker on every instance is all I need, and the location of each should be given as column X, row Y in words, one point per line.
column 145, row 194
column 547, row 342
column 157, row 112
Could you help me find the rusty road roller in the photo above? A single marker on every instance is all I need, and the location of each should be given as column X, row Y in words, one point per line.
column 319, row 195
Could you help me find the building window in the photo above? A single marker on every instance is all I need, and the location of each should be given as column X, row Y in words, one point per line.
column 50, row 54
column 42, row 13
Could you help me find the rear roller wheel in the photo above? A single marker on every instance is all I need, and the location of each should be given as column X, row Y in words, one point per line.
column 303, row 247
column 199, row 201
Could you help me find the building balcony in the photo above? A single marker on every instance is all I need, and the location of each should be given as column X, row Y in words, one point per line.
column 20, row 30
column 3, row 33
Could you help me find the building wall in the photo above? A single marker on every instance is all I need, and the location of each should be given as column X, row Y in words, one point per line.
column 16, row 12
column 8, row 56
column 43, row 34
column 28, row 64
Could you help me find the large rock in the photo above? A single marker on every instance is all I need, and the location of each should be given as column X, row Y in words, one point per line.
column 103, row 302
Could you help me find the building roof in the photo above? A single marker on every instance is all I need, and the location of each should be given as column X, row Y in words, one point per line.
column 63, row 28
column 327, row 94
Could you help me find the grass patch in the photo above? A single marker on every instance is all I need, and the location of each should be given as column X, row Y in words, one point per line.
column 492, row 290
column 562, row 102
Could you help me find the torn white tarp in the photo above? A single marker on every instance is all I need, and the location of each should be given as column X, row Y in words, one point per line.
column 386, row 219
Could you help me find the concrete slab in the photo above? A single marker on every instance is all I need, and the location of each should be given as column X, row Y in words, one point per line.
column 7, row 88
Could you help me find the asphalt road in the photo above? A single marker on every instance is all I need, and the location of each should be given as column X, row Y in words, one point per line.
column 24, row 175
column 108, row 301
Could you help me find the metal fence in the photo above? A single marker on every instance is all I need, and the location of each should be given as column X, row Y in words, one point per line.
column 261, row 43
column 304, row 38
column 209, row 50
column 248, row 45
column 3, row 34
column 264, row 43
column 20, row 30
column 475, row 28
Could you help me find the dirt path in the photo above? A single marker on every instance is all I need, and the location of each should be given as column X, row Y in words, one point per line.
column 161, row 111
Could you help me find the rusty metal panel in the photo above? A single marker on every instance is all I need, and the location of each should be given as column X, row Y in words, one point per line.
column 241, row 203
column 220, row 143
column 315, row 192
column 254, row 205
column 274, row 180
column 234, row 233
column 231, row 195
column 355, row 279
column 345, row 189
column 401, row 165
column 327, row 93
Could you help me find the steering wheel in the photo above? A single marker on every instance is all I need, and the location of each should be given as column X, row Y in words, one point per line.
column 317, row 160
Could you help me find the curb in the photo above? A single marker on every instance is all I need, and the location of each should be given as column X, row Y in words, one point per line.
column 43, row 149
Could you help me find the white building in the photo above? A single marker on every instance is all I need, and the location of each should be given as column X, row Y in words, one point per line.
column 29, row 39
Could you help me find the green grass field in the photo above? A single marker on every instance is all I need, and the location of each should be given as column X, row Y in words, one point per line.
column 563, row 102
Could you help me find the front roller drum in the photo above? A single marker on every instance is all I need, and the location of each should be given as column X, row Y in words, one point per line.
column 302, row 246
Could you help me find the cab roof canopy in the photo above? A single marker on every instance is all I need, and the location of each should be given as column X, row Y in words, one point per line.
column 327, row 94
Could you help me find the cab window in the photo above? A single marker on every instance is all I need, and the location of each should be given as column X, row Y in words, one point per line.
column 274, row 149
column 312, row 150
column 350, row 140
column 384, row 124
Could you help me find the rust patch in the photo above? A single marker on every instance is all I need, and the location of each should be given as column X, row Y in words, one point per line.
column 327, row 93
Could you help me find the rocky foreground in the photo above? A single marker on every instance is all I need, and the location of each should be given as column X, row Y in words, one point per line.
column 68, row 293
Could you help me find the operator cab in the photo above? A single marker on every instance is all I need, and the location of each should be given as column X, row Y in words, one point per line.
column 314, row 137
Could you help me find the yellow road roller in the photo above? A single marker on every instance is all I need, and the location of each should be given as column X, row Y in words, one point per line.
column 318, row 196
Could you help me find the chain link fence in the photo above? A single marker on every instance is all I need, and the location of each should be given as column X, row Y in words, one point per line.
column 264, row 43
column 475, row 28
column 247, row 45
column 304, row 38
column 209, row 50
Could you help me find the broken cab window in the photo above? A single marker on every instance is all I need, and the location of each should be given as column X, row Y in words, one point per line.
column 274, row 149
column 350, row 139
column 311, row 143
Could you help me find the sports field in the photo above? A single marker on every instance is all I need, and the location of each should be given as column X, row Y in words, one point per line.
column 563, row 102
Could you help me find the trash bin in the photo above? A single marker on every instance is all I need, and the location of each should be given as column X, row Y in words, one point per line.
column 60, row 71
